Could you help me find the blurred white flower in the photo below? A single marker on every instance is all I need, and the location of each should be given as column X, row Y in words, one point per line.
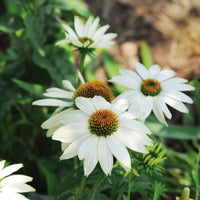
column 88, row 35
column 150, row 90
column 11, row 186
column 99, row 130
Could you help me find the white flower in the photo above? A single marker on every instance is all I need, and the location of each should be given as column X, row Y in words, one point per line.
column 150, row 90
column 66, row 99
column 11, row 186
column 88, row 36
column 99, row 130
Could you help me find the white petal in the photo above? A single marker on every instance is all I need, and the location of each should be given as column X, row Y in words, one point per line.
column 70, row 132
column 175, row 81
column 158, row 112
column 70, row 31
column 12, row 196
column 132, row 74
column 154, row 71
column 72, row 150
column 2, row 163
column 147, row 105
column 100, row 103
column 64, row 146
column 105, row 156
column 58, row 93
column 51, row 131
column 16, row 179
column 55, row 119
column 9, row 170
column 81, row 77
column 120, row 104
column 119, row 151
column 109, row 36
column 142, row 71
column 67, row 85
column 87, row 146
column 165, row 74
column 93, row 28
column 133, row 140
column 87, row 27
column 17, row 187
column 91, row 160
column 52, row 102
column 178, row 96
column 85, row 104
column 79, row 27
column 178, row 105
column 126, row 82
column 100, row 32
column 134, row 125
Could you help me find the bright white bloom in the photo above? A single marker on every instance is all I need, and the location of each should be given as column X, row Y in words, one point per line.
column 99, row 130
column 66, row 99
column 150, row 90
column 88, row 36
column 11, row 186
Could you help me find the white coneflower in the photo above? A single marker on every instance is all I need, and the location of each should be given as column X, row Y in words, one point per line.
column 150, row 90
column 88, row 36
column 99, row 130
column 66, row 99
column 12, row 185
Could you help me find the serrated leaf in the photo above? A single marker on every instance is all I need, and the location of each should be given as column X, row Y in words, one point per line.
column 10, row 23
column 56, row 62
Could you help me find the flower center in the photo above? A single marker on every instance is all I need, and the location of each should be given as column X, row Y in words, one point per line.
column 103, row 122
column 150, row 87
column 93, row 88
column 86, row 39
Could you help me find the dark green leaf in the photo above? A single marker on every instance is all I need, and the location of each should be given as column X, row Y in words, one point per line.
column 10, row 23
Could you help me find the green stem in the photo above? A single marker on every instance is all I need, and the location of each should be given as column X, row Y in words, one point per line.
column 129, row 186
column 75, row 162
column 79, row 190
column 96, row 185
column 81, row 66
column 197, row 177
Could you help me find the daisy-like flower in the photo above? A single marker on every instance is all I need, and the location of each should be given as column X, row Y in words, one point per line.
column 66, row 99
column 150, row 90
column 88, row 36
column 99, row 130
column 11, row 186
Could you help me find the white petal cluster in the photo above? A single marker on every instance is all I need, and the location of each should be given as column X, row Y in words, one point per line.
column 12, row 185
column 171, row 91
column 88, row 35
column 78, row 140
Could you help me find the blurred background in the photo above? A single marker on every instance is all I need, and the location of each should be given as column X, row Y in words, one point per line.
column 30, row 62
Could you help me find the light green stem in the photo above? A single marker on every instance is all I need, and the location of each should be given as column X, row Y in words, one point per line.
column 129, row 186
column 79, row 190
column 96, row 185
column 197, row 177
column 81, row 66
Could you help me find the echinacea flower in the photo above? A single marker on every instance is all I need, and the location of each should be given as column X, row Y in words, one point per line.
column 66, row 99
column 150, row 90
column 99, row 130
column 88, row 36
column 12, row 185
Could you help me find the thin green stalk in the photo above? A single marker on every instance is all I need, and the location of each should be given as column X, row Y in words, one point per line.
column 75, row 162
column 96, row 185
column 79, row 190
column 129, row 186
column 82, row 60
column 197, row 177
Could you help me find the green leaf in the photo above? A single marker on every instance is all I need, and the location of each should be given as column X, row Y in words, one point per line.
column 35, row 29
column 34, row 89
column 56, row 62
column 78, row 6
column 35, row 196
column 10, row 23
column 112, row 69
column 146, row 55
column 174, row 131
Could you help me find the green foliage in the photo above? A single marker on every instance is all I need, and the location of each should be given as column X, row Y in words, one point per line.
column 146, row 55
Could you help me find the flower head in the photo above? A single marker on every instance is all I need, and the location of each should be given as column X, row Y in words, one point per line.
column 11, row 186
column 99, row 130
column 150, row 90
column 87, row 36
column 66, row 99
